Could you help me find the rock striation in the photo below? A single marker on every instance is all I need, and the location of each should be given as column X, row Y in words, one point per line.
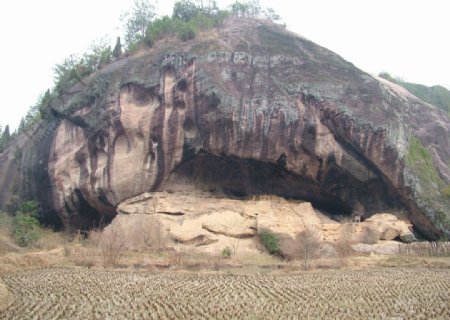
column 250, row 109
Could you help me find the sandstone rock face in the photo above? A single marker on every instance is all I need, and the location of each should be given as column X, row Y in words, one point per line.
column 389, row 234
column 389, row 226
column 254, row 110
column 381, row 226
column 210, row 223
column 288, row 218
column 9, row 179
column 203, row 221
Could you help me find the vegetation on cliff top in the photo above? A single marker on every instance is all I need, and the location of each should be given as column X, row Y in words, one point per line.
column 435, row 95
column 143, row 28
column 5, row 136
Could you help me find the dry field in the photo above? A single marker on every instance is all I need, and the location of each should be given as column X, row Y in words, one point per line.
column 383, row 293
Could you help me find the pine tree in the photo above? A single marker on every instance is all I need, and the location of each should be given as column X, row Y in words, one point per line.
column 44, row 104
column 6, row 136
column 21, row 125
column 117, row 52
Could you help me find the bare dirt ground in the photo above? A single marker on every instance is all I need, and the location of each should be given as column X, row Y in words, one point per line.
column 383, row 293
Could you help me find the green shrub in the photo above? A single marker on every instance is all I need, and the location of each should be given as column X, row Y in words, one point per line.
column 201, row 22
column 163, row 27
column 26, row 228
column 219, row 18
column 226, row 252
column 29, row 207
column 187, row 33
column 270, row 241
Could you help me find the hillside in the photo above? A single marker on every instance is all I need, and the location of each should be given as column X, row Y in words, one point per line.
column 243, row 110
column 435, row 95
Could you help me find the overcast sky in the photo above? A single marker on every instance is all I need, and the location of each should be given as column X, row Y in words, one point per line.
column 408, row 39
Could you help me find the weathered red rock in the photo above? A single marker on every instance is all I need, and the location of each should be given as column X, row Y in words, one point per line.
column 256, row 110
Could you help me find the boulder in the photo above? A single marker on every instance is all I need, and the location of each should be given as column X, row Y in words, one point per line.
column 288, row 218
column 365, row 234
column 391, row 227
column 407, row 238
column 137, row 232
column 390, row 234
column 381, row 226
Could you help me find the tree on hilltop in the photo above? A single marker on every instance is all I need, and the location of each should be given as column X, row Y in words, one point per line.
column 186, row 10
column 117, row 52
column 252, row 9
column 138, row 21
column 4, row 139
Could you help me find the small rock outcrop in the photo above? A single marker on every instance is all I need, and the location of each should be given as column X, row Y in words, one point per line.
column 391, row 227
column 253, row 110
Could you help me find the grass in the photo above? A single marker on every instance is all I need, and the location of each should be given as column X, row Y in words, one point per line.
column 275, row 41
column 420, row 159
column 434, row 190
column 415, row 262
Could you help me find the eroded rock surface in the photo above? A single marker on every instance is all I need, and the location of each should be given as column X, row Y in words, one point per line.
column 253, row 110
column 390, row 226
column 211, row 223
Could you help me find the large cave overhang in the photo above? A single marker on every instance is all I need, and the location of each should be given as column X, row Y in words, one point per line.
column 337, row 192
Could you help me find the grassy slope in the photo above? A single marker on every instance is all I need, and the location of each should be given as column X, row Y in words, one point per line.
column 435, row 95
column 435, row 189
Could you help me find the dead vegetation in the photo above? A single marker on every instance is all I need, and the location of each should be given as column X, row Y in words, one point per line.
column 425, row 249
column 98, row 294
column 111, row 242
column 304, row 248
column 168, row 281
column 344, row 245
column 109, row 248
column 143, row 244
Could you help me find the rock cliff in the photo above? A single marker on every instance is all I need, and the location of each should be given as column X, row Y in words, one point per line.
column 245, row 110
